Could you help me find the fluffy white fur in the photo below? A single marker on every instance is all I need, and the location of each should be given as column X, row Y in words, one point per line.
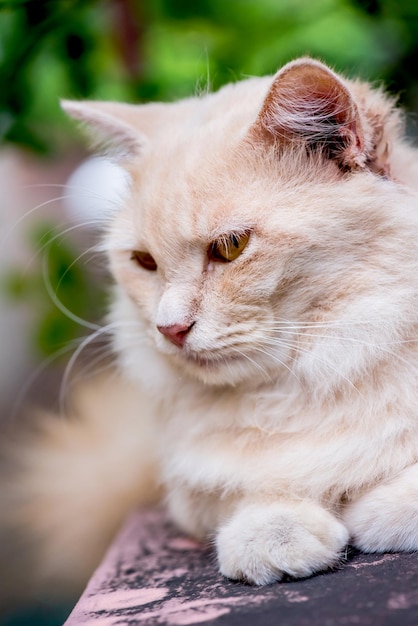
column 286, row 423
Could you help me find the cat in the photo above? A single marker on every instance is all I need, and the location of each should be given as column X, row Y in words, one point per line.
column 264, row 317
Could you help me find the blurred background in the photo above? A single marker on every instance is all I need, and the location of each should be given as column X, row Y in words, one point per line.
column 135, row 51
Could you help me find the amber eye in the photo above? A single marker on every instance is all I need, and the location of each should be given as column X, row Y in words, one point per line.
column 229, row 247
column 144, row 259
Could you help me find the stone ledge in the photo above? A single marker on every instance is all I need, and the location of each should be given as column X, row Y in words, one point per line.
column 152, row 574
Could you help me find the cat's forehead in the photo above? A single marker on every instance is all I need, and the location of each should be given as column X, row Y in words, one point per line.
column 189, row 186
column 196, row 138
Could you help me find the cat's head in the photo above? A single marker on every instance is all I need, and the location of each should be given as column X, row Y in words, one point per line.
column 250, row 221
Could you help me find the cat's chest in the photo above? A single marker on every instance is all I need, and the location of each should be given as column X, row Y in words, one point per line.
column 223, row 445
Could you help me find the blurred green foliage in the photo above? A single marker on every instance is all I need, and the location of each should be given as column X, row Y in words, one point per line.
column 139, row 50
column 164, row 49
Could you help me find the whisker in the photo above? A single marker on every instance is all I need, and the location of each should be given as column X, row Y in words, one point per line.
column 52, row 294
column 278, row 360
column 296, row 346
column 91, row 370
column 332, row 337
column 383, row 347
column 82, row 191
column 278, row 324
column 376, row 344
column 76, row 260
column 257, row 365
column 108, row 329
column 85, row 342
column 18, row 403
column 46, row 362
column 13, row 227
column 49, row 241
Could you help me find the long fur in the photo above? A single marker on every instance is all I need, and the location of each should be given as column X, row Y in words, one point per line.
column 285, row 424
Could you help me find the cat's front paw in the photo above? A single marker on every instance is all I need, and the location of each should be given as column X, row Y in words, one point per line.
column 263, row 542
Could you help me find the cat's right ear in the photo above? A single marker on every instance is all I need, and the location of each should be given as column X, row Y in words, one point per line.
column 111, row 125
column 309, row 105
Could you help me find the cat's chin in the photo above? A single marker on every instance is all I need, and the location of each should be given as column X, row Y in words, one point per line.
column 222, row 371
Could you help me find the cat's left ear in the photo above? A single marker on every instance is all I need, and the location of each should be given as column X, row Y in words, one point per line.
column 110, row 125
column 307, row 102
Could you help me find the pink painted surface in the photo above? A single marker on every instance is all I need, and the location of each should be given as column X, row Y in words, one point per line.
column 152, row 574
column 146, row 575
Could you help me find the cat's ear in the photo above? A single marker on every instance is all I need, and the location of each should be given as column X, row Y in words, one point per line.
column 110, row 125
column 307, row 102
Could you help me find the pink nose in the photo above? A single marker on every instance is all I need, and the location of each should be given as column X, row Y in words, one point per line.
column 176, row 333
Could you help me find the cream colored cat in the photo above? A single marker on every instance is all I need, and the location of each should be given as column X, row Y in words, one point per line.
column 266, row 315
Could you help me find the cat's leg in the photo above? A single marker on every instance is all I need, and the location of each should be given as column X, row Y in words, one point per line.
column 386, row 517
column 198, row 513
column 261, row 542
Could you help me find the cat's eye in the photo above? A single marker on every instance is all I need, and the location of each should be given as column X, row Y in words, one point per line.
column 229, row 247
column 144, row 259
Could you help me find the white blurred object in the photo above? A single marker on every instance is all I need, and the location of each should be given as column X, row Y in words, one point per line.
column 95, row 190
